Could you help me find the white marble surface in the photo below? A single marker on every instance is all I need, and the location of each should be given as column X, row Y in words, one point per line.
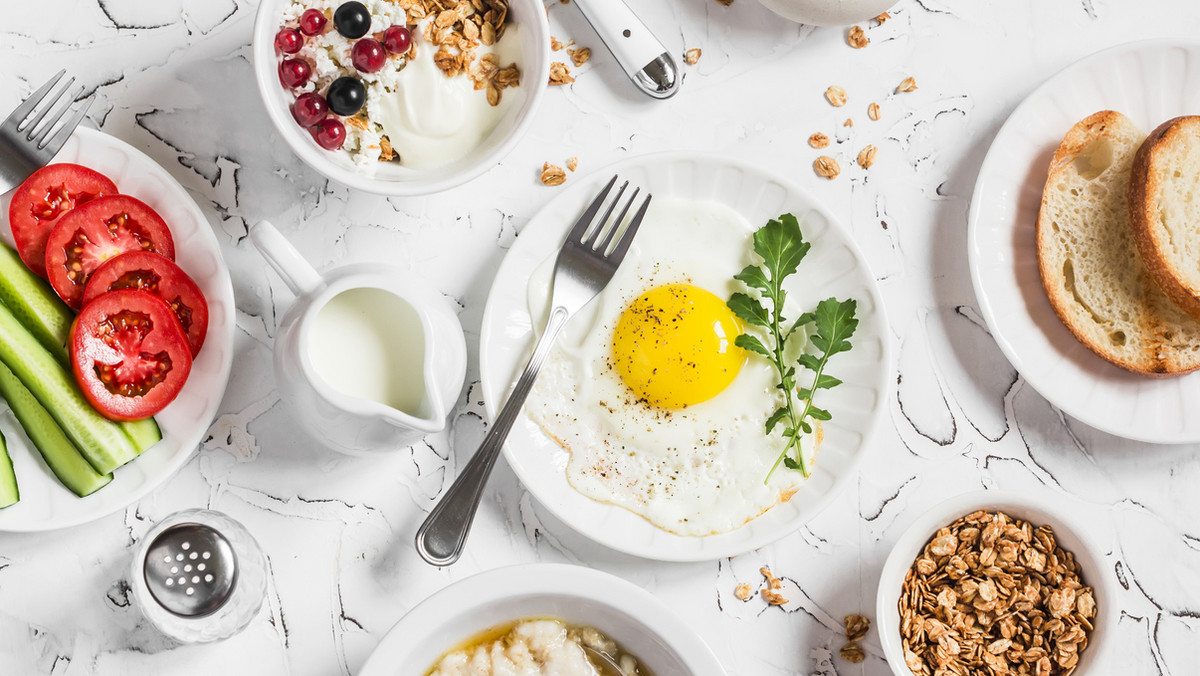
column 173, row 78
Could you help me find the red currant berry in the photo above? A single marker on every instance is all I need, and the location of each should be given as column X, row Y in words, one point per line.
column 368, row 55
column 294, row 72
column 329, row 133
column 288, row 40
column 312, row 22
column 397, row 39
column 309, row 109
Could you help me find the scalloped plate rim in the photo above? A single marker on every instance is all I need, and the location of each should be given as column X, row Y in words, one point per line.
column 1018, row 347
column 654, row 543
column 203, row 385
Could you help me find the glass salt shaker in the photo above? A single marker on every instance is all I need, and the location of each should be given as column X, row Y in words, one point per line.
column 199, row 576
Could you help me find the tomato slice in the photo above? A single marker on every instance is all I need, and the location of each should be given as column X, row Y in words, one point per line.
column 129, row 354
column 46, row 195
column 95, row 232
column 151, row 272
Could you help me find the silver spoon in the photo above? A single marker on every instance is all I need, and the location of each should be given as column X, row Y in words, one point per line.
column 641, row 55
column 601, row 659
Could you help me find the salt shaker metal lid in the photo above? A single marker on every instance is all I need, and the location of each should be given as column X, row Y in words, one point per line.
column 190, row 569
column 199, row 576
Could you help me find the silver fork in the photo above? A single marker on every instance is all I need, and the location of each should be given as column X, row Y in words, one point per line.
column 587, row 261
column 26, row 144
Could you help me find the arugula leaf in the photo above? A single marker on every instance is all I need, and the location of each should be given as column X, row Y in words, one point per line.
column 836, row 323
column 754, row 277
column 809, row 361
column 819, row 413
column 825, row 382
column 751, row 343
column 781, row 246
column 778, row 415
column 748, row 309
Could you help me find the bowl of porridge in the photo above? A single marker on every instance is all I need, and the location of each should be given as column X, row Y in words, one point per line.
column 401, row 97
column 537, row 619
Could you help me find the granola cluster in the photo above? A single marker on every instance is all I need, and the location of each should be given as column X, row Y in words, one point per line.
column 994, row 595
column 771, row 593
column 856, row 627
column 458, row 28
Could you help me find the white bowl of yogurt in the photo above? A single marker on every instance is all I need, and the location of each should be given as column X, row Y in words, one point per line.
column 441, row 131
column 640, row 624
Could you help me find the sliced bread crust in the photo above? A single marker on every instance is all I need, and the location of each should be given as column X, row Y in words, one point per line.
column 1089, row 264
column 1164, row 209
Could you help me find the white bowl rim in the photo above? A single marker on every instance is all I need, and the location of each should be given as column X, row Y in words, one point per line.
column 824, row 13
column 922, row 528
column 262, row 55
column 549, row 579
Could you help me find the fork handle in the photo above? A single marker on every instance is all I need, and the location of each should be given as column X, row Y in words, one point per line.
column 441, row 537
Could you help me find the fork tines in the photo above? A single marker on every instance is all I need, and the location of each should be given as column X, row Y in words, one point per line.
column 25, row 122
column 599, row 234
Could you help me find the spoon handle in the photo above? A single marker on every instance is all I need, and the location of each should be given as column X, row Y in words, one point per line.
column 441, row 537
column 641, row 55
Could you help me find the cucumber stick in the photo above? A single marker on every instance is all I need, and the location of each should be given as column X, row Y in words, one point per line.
column 100, row 440
column 143, row 433
column 72, row 470
column 35, row 304
column 9, row 495
column 44, row 315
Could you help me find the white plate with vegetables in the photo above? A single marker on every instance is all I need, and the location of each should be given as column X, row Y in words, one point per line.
column 45, row 503
column 671, row 460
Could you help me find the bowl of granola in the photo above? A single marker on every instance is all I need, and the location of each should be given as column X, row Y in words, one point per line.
column 401, row 97
column 995, row 582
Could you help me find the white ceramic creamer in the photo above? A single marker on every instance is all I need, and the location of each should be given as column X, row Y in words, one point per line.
column 368, row 359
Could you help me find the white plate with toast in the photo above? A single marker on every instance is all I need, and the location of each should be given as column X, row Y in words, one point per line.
column 1150, row 82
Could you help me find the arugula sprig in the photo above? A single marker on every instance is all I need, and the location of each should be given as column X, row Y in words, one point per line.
column 781, row 246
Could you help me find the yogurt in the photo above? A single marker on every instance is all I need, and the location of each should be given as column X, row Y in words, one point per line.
column 432, row 120
column 415, row 114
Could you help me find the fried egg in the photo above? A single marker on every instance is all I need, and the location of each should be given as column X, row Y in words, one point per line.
column 660, row 411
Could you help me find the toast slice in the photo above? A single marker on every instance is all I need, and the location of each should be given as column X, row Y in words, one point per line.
column 1164, row 209
column 1089, row 264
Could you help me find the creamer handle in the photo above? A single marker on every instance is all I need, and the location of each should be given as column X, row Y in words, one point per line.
column 296, row 272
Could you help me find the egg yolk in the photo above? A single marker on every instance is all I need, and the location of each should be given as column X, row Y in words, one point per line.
column 673, row 346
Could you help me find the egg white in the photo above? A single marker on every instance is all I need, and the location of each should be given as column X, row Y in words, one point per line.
column 698, row 470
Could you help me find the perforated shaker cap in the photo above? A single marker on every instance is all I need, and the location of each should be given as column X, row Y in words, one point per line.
column 190, row 569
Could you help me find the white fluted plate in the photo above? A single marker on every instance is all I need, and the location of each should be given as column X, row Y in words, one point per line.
column 1150, row 82
column 45, row 504
column 834, row 267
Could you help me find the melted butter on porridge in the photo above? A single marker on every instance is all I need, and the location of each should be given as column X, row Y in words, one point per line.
column 533, row 647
